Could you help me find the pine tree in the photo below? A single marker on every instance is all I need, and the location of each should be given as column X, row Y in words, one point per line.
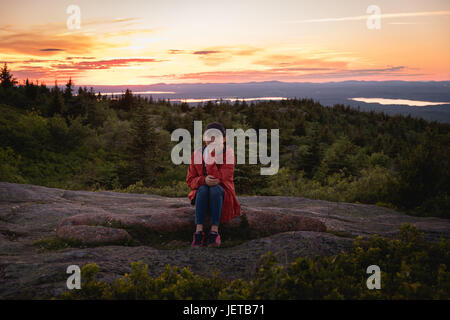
column 311, row 160
column 68, row 91
column 299, row 124
column 57, row 102
column 31, row 90
column 126, row 101
column 6, row 78
column 144, row 151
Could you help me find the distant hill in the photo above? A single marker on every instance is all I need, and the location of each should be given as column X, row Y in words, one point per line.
column 328, row 94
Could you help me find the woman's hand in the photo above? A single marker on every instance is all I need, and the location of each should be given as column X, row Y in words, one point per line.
column 211, row 181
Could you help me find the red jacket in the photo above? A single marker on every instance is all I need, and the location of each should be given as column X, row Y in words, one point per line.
column 195, row 178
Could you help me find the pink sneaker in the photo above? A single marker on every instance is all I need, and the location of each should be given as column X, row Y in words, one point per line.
column 213, row 239
column 198, row 239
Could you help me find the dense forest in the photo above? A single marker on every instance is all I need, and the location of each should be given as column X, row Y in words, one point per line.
column 56, row 137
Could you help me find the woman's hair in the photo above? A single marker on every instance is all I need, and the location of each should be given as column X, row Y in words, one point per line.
column 218, row 126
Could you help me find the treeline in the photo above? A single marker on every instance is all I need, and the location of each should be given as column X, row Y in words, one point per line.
column 58, row 138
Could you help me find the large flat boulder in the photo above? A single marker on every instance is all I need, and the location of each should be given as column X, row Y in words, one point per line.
column 93, row 235
column 107, row 224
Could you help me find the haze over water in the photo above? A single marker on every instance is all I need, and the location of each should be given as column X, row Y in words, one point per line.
column 412, row 103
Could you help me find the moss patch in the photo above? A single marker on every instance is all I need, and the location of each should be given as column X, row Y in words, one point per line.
column 52, row 244
column 55, row 243
column 341, row 234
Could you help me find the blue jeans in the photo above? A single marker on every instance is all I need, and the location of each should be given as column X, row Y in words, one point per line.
column 209, row 198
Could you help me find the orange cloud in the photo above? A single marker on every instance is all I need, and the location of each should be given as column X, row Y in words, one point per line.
column 44, row 73
column 246, row 51
column 204, row 52
column 218, row 55
column 54, row 38
column 297, row 61
column 100, row 64
column 39, row 44
column 292, row 74
column 175, row 51
column 69, row 68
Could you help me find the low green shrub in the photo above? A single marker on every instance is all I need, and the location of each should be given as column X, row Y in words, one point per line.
column 10, row 166
column 370, row 186
column 411, row 268
column 177, row 189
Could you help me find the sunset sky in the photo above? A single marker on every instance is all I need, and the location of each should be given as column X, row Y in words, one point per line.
column 192, row 41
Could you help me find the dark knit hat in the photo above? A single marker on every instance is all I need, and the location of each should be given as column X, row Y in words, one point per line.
column 216, row 125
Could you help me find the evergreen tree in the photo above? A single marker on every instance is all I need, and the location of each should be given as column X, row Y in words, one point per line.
column 299, row 124
column 56, row 105
column 424, row 174
column 31, row 91
column 144, row 154
column 68, row 91
column 126, row 101
column 311, row 159
column 6, row 78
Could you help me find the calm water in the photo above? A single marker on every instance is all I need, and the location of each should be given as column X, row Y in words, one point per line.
column 195, row 100
column 139, row 92
column 382, row 101
column 412, row 103
column 228, row 99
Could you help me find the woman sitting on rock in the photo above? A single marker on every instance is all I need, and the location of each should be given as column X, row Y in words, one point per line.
column 212, row 187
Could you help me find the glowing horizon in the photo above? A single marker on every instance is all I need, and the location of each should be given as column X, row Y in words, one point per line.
column 199, row 41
